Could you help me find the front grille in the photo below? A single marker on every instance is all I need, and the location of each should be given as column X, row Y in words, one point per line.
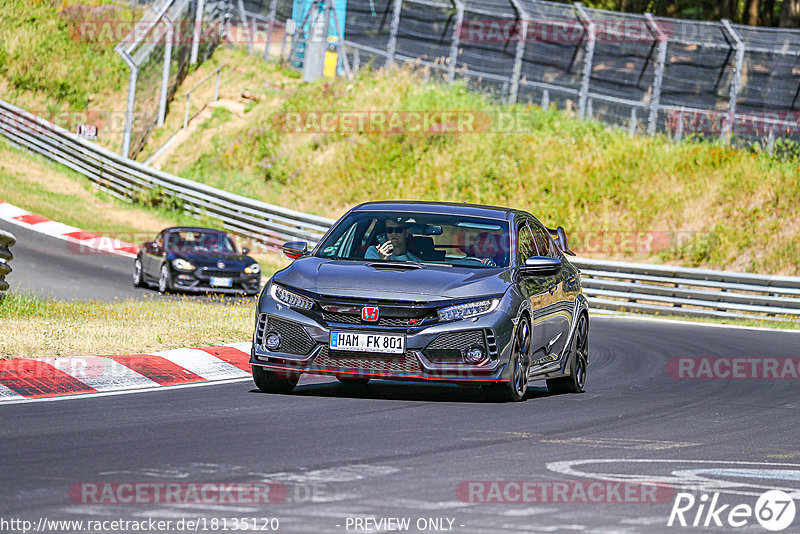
column 220, row 274
column 450, row 347
column 335, row 317
column 294, row 338
column 367, row 362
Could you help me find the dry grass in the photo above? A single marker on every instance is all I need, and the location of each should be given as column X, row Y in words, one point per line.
column 33, row 327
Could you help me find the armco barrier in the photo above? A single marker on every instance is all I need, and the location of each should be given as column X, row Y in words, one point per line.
column 6, row 242
column 608, row 285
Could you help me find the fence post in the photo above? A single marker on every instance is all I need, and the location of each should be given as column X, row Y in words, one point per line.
column 134, row 73
column 162, row 102
column 245, row 26
column 546, row 100
column 391, row 46
column 451, row 68
column 516, row 72
column 737, row 74
column 658, row 79
column 633, row 125
column 591, row 36
column 198, row 27
column 273, row 8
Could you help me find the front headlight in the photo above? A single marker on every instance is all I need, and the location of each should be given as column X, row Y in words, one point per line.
column 288, row 298
column 182, row 265
column 253, row 269
column 470, row 309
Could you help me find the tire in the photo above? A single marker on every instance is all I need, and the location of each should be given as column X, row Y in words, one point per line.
column 516, row 386
column 579, row 356
column 271, row 382
column 138, row 276
column 164, row 283
column 352, row 380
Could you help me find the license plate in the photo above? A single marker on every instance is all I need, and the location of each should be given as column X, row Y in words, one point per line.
column 360, row 342
column 221, row 282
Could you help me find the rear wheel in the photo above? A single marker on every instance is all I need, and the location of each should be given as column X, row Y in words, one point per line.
column 352, row 380
column 270, row 381
column 138, row 277
column 516, row 386
column 579, row 353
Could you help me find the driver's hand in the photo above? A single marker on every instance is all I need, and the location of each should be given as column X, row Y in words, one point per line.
column 489, row 262
column 386, row 250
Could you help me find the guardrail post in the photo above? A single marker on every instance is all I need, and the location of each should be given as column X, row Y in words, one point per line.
column 391, row 46
column 516, row 71
column 658, row 79
column 162, row 102
column 451, row 68
column 273, row 9
column 198, row 27
column 634, row 123
column 545, row 99
column 591, row 37
column 736, row 78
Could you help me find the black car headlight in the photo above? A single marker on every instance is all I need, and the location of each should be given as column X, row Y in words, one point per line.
column 470, row 309
column 289, row 298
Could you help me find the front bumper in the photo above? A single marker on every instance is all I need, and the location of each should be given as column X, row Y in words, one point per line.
column 306, row 347
column 197, row 281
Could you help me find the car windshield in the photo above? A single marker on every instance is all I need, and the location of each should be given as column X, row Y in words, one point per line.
column 199, row 242
column 474, row 242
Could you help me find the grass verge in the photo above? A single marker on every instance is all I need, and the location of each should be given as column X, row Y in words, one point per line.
column 35, row 327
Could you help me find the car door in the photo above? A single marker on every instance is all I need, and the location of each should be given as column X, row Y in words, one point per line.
column 532, row 287
column 151, row 258
column 559, row 315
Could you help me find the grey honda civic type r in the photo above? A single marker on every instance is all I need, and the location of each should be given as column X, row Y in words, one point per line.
column 427, row 291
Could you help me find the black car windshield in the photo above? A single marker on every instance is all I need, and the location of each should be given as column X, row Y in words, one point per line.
column 193, row 242
column 474, row 242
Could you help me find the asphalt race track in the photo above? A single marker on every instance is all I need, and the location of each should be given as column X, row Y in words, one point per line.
column 337, row 454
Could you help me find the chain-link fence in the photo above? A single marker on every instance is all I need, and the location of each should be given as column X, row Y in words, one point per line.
column 170, row 35
column 639, row 72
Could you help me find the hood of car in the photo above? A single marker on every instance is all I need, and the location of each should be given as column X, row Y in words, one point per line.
column 343, row 278
column 231, row 261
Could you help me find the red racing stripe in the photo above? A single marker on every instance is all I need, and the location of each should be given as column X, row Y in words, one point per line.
column 233, row 356
column 31, row 218
column 35, row 379
column 158, row 369
column 80, row 235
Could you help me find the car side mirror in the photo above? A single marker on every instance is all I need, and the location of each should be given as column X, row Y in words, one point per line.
column 560, row 237
column 295, row 249
column 541, row 266
column 245, row 250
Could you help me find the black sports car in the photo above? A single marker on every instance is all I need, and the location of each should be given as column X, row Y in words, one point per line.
column 427, row 291
column 195, row 259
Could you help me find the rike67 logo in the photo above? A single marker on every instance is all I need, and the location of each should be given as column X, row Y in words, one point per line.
column 774, row 510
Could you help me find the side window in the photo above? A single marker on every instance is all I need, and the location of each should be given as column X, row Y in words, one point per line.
column 159, row 240
column 527, row 246
column 543, row 242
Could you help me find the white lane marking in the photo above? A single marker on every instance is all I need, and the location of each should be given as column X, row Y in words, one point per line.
column 54, row 229
column 524, row 512
column 687, row 479
column 79, row 396
column 689, row 322
column 243, row 346
column 345, row 473
column 102, row 374
column 203, row 364
column 6, row 393
column 624, row 443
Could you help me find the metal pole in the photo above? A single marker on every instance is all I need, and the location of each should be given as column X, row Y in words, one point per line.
column 516, row 71
column 340, row 35
column 546, row 100
column 134, row 73
column 273, row 7
column 451, row 68
column 591, row 33
column 162, row 103
column 391, row 47
column 634, row 123
column 737, row 74
column 216, row 87
column 198, row 26
column 658, row 79
column 295, row 40
column 186, row 113
column 245, row 26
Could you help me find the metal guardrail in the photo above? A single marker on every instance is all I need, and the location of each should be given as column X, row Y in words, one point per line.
column 611, row 285
column 6, row 242
column 129, row 180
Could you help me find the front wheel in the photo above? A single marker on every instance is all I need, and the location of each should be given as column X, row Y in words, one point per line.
column 269, row 381
column 138, row 277
column 163, row 280
column 579, row 356
column 516, row 386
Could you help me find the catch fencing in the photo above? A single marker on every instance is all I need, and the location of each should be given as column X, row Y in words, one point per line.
column 646, row 74
column 158, row 52
column 6, row 242
column 653, row 289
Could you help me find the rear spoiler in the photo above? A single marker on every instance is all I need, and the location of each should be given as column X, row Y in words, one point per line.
column 560, row 237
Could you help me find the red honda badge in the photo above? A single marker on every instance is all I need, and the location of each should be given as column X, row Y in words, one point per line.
column 369, row 314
